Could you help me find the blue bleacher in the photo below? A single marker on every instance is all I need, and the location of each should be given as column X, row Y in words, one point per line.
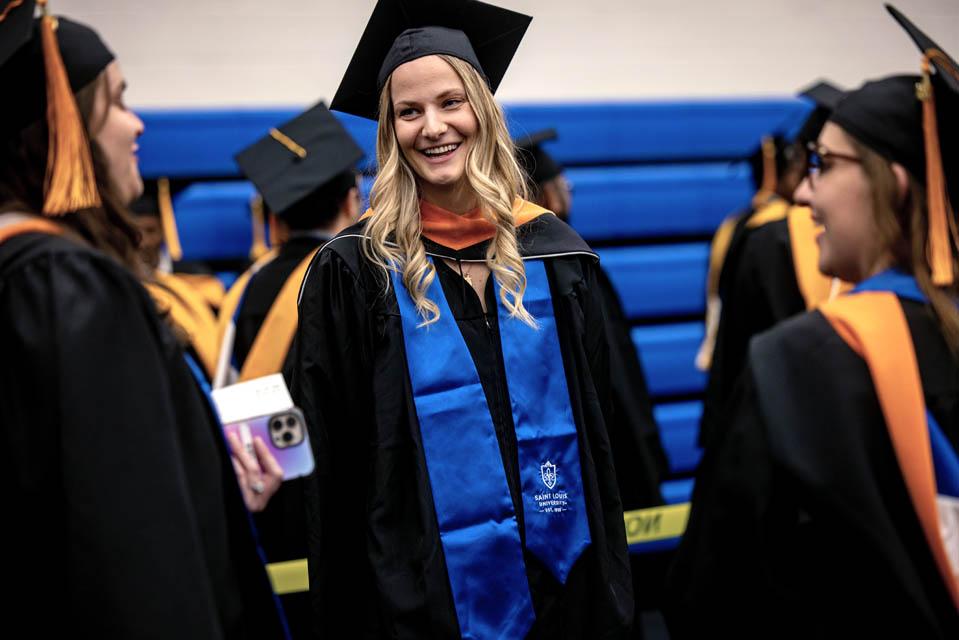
column 652, row 180
column 649, row 201
column 671, row 278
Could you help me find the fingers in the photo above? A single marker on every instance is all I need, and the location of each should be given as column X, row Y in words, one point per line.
column 259, row 475
column 266, row 459
column 243, row 455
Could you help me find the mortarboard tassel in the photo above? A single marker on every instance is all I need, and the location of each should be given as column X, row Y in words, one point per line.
column 70, row 184
column 767, row 187
column 170, row 233
column 258, row 248
column 938, row 249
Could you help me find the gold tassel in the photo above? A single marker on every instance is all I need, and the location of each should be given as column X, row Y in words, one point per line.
column 288, row 142
column 767, row 187
column 167, row 218
column 258, row 248
column 69, row 184
column 938, row 247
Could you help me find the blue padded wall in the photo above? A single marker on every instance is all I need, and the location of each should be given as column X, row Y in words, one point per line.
column 660, row 280
column 668, row 353
column 649, row 201
column 679, row 430
column 213, row 220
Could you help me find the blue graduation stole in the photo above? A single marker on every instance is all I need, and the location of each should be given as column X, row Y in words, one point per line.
column 478, row 527
column 945, row 460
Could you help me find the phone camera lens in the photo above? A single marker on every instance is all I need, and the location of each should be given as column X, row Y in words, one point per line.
column 276, row 425
column 287, row 436
column 291, row 422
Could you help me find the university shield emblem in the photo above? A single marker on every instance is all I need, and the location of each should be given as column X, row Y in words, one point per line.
column 548, row 472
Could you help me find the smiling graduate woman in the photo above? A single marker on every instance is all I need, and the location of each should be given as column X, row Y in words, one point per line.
column 830, row 506
column 452, row 364
column 123, row 517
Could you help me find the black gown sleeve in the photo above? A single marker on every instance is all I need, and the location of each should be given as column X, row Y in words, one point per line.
column 330, row 381
column 641, row 462
column 591, row 396
column 103, row 542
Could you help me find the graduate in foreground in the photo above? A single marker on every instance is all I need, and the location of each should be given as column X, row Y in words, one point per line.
column 830, row 507
column 123, row 516
column 452, row 365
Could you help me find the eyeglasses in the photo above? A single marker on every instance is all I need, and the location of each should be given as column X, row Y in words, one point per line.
column 819, row 159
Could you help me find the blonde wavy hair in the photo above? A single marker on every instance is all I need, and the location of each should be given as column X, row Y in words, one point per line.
column 492, row 174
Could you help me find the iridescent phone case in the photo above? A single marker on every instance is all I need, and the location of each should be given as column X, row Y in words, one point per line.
column 285, row 435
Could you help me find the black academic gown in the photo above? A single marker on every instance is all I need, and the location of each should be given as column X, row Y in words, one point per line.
column 377, row 568
column 282, row 524
column 802, row 526
column 641, row 462
column 758, row 289
column 123, row 518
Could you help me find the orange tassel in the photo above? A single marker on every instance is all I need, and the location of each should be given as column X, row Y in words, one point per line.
column 70, row 184
column 767, row 187
column 258, row 248
column 168, row 220
column 938, row 247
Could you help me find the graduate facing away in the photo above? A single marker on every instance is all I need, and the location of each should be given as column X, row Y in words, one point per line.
column 452, row 363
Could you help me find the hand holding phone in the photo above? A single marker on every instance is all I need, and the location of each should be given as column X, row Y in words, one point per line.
column 263, row 409
column 285, row 437
column 257, row 471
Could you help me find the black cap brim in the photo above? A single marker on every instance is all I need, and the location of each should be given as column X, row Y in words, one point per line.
column 308, row 151
column 948, row 76
column 494, row 33
column 16, row 28
column 825, row 97
column 84, row 54
column 945, row 85
column 824, row 94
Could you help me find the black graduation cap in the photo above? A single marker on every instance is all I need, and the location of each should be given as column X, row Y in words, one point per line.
column 298, row 157
column 399, row 31
column 16, row 26
column 538, row 165
column 887, row 114
column 825, row 97
column 891, row 116
column 83, row 52
column 43, row 63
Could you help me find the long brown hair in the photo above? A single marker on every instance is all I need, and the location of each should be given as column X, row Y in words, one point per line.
column 903, row 229
column 23, row 161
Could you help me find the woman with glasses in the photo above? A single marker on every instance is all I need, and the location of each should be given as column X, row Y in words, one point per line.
column 831, row 507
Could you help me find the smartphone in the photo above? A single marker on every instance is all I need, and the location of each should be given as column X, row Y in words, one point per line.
column 284, row 434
